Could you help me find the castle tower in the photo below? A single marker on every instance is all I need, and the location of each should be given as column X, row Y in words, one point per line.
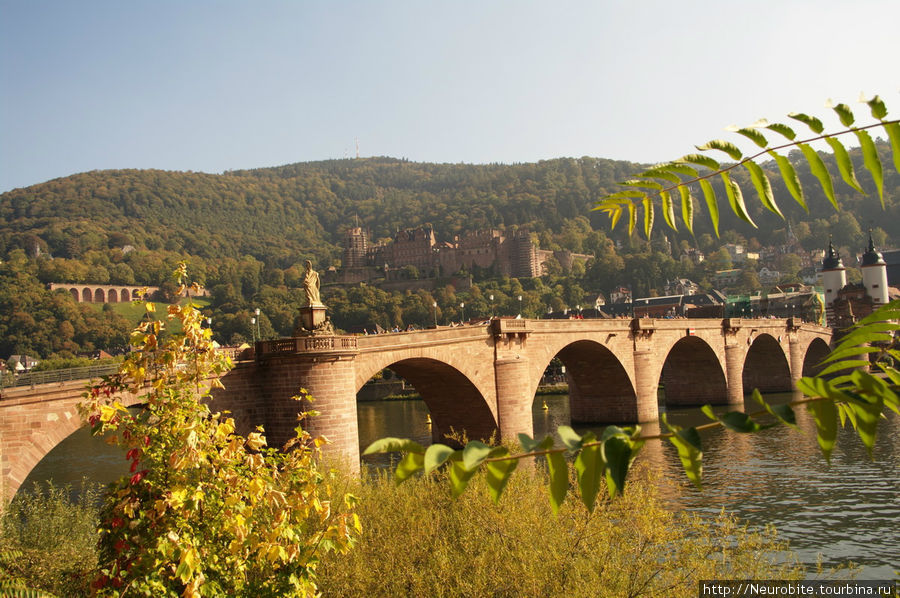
column 355, row 247
column 834, row 278
column 874, row 272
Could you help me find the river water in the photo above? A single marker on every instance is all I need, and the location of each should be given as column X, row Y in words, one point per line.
column 848, row 510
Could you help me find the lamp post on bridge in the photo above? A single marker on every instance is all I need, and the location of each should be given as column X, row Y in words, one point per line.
column 462, row 306
column 258, row 335
column 491, row 297
column 253, row 329
column 434, row 307
column 520, row 306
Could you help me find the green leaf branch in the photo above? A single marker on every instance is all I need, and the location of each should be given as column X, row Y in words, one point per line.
column 657, row 184
column 841, row 394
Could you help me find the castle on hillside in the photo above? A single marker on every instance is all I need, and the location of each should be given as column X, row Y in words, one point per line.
column 515, row 256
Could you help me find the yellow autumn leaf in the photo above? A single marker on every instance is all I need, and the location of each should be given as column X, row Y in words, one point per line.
column 255, row 441
column 176, row 498
column 256, row 487
column 107, row 412
column 223, row 430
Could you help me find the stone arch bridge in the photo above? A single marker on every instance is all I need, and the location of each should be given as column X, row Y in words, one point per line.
column 481, row 379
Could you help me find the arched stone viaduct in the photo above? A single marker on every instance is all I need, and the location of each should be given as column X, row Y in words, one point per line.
column 477, row 379
column 105, row 293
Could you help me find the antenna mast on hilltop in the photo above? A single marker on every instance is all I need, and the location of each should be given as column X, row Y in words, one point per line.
column 357, row 148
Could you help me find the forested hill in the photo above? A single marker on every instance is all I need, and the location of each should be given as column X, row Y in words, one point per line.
column 285, row 214
column 279, row 215
column 245, row 235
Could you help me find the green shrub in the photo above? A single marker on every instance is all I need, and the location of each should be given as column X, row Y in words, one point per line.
column 418, row 541
column 48, row 539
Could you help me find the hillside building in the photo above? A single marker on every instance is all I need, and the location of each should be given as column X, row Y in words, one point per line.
column 416, row 253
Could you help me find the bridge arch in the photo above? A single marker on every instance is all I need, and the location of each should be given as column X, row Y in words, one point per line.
column 766, row 366
column 817, row 350
column 600, row 389
column 692, row 374
column 113, row 296
column 99, row 296
column 39, row 443
column 32, row 428
column 453, row 398
column 87, row 296
column 74, row 292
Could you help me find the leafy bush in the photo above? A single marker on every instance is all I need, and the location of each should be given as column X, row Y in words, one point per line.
column 48, row 539
column 420, row 541
column 205, row 511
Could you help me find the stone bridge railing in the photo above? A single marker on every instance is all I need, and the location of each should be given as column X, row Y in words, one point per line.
column 306, row 343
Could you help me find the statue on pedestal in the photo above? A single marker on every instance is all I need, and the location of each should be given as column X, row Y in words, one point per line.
column 313, row 320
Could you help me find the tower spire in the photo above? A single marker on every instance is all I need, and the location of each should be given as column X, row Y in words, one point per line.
column 874, row 271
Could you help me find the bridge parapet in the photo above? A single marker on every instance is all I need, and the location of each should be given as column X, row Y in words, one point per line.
column 510, row 329
column 306, row 344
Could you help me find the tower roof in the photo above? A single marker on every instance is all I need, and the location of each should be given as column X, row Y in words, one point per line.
column 832, row 259
column 872, row 257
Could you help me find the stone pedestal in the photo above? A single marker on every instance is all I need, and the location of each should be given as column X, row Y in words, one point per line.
column 312, row 319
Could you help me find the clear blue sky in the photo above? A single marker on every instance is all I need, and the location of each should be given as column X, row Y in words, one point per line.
column 211, row 85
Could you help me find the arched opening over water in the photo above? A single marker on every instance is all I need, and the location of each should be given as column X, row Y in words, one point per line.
column 692, row 374
column 600, row 390
column 62, row 449
column 454, row 404
column 766, row 366
column 76, row 457
column 817, row 351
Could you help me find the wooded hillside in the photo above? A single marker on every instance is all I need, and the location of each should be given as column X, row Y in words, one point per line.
column 247, row 233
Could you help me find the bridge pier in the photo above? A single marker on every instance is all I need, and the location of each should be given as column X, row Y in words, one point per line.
column 796, row 356
column 645, row 386
column 324, row 367
column 513, row 398
column 734, row 374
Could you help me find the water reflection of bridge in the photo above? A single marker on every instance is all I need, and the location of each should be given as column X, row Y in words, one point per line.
column 477, row 379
